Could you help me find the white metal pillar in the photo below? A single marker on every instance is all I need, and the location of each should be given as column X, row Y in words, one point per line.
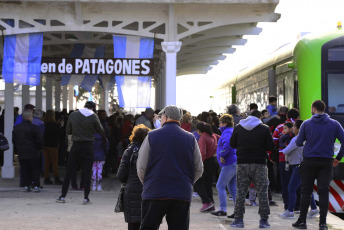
column 157, row 88
column 171, row 49
column 64, row 96
column 102, row 100
column 25, row 95
column 57, row 95
column 160, row 92
column 49, row 93
column 106, row 101
column 163, row 88
column 105, row 94
column 71, row 97
column 38, row 96
column 7, row 171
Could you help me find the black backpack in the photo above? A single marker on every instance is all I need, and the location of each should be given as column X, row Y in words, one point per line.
column 3, row 143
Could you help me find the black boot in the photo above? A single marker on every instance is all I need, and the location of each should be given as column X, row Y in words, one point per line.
column 57, row 181
column 47, row 181
column 231, row 216
column 323, row 227
column 300, row 224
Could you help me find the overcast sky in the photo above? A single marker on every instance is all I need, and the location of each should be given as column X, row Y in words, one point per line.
column 194, row 91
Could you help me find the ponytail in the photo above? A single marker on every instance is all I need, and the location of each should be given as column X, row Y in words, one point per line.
column 205, row 127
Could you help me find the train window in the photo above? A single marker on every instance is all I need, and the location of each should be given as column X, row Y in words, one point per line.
column 335, row 91
column 336, row 54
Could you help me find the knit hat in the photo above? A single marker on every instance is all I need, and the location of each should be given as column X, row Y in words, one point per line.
column 172, row 112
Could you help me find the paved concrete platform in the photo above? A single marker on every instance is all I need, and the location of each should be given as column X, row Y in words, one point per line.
column 21, row 210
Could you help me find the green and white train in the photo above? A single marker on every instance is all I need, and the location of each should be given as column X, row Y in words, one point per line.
column 298, row 74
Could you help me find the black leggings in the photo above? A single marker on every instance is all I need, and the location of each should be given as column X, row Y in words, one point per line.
column 204, row 184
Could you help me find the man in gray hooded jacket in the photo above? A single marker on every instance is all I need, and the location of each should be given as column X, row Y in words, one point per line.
column 252, row 139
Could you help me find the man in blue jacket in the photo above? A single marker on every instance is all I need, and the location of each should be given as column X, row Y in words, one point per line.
column 320, row 132
column 168, row 165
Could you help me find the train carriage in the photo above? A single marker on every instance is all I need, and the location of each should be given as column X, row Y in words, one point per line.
column 298, row 74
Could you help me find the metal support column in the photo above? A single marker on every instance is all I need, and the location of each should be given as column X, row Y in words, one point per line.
column 25, row 95
column 7, row 171
column 38, row 96
column 171, row 49
column 64, row 96
column 57, row 95
column 49, row 93
column 70, row 97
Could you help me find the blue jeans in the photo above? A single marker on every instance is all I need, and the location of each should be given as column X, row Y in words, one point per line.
column 227, row 179
column 285, row 178
column 294, row 184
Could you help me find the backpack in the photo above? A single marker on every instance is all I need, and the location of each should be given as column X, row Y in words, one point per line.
column 3, row 143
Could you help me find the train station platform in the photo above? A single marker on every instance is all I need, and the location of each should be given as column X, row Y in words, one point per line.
column 21, row 210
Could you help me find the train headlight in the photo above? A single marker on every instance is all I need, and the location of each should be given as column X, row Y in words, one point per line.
column 336, row 148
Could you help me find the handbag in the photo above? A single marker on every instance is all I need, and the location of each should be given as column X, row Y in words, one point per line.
column 3, row 143
column 120, row 206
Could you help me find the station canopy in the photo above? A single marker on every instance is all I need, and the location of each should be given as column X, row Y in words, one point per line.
column 207, row 28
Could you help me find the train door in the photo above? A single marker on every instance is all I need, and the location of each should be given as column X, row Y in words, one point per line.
column 332, row 77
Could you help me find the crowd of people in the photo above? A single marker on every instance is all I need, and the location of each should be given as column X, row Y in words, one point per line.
column 166, row 157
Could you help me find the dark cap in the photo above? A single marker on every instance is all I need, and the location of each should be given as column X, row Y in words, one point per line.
column 29, row 106
column 90, row 105
column 149, row 110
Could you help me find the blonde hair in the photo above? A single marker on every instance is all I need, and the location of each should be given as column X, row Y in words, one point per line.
column 186, row 118
column 228, row 119
column 139, row 133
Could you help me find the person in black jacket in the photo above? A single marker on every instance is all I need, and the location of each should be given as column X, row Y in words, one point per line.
column 235, row 112
column 127, row 173
column 280, row 119
column 28, row 142
column 51, row 142
column 252, row 139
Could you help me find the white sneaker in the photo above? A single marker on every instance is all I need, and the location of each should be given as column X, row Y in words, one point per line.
column 86, row 201
column 94, row 185
column 313, row 213
column 61, row 199
column 99, row 187
column 287, row 215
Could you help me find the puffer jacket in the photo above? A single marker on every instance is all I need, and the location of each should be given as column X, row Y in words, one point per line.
column 224, row 150
column 127, row 173
column 27, row 140
column 100, row 147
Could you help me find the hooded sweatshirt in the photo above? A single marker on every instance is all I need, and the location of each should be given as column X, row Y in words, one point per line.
column 293, row 152
column 83, row 124
column 251, row 139
column 320, row 132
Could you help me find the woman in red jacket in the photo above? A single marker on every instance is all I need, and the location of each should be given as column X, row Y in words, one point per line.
column 186, row 122
column 208, row 145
